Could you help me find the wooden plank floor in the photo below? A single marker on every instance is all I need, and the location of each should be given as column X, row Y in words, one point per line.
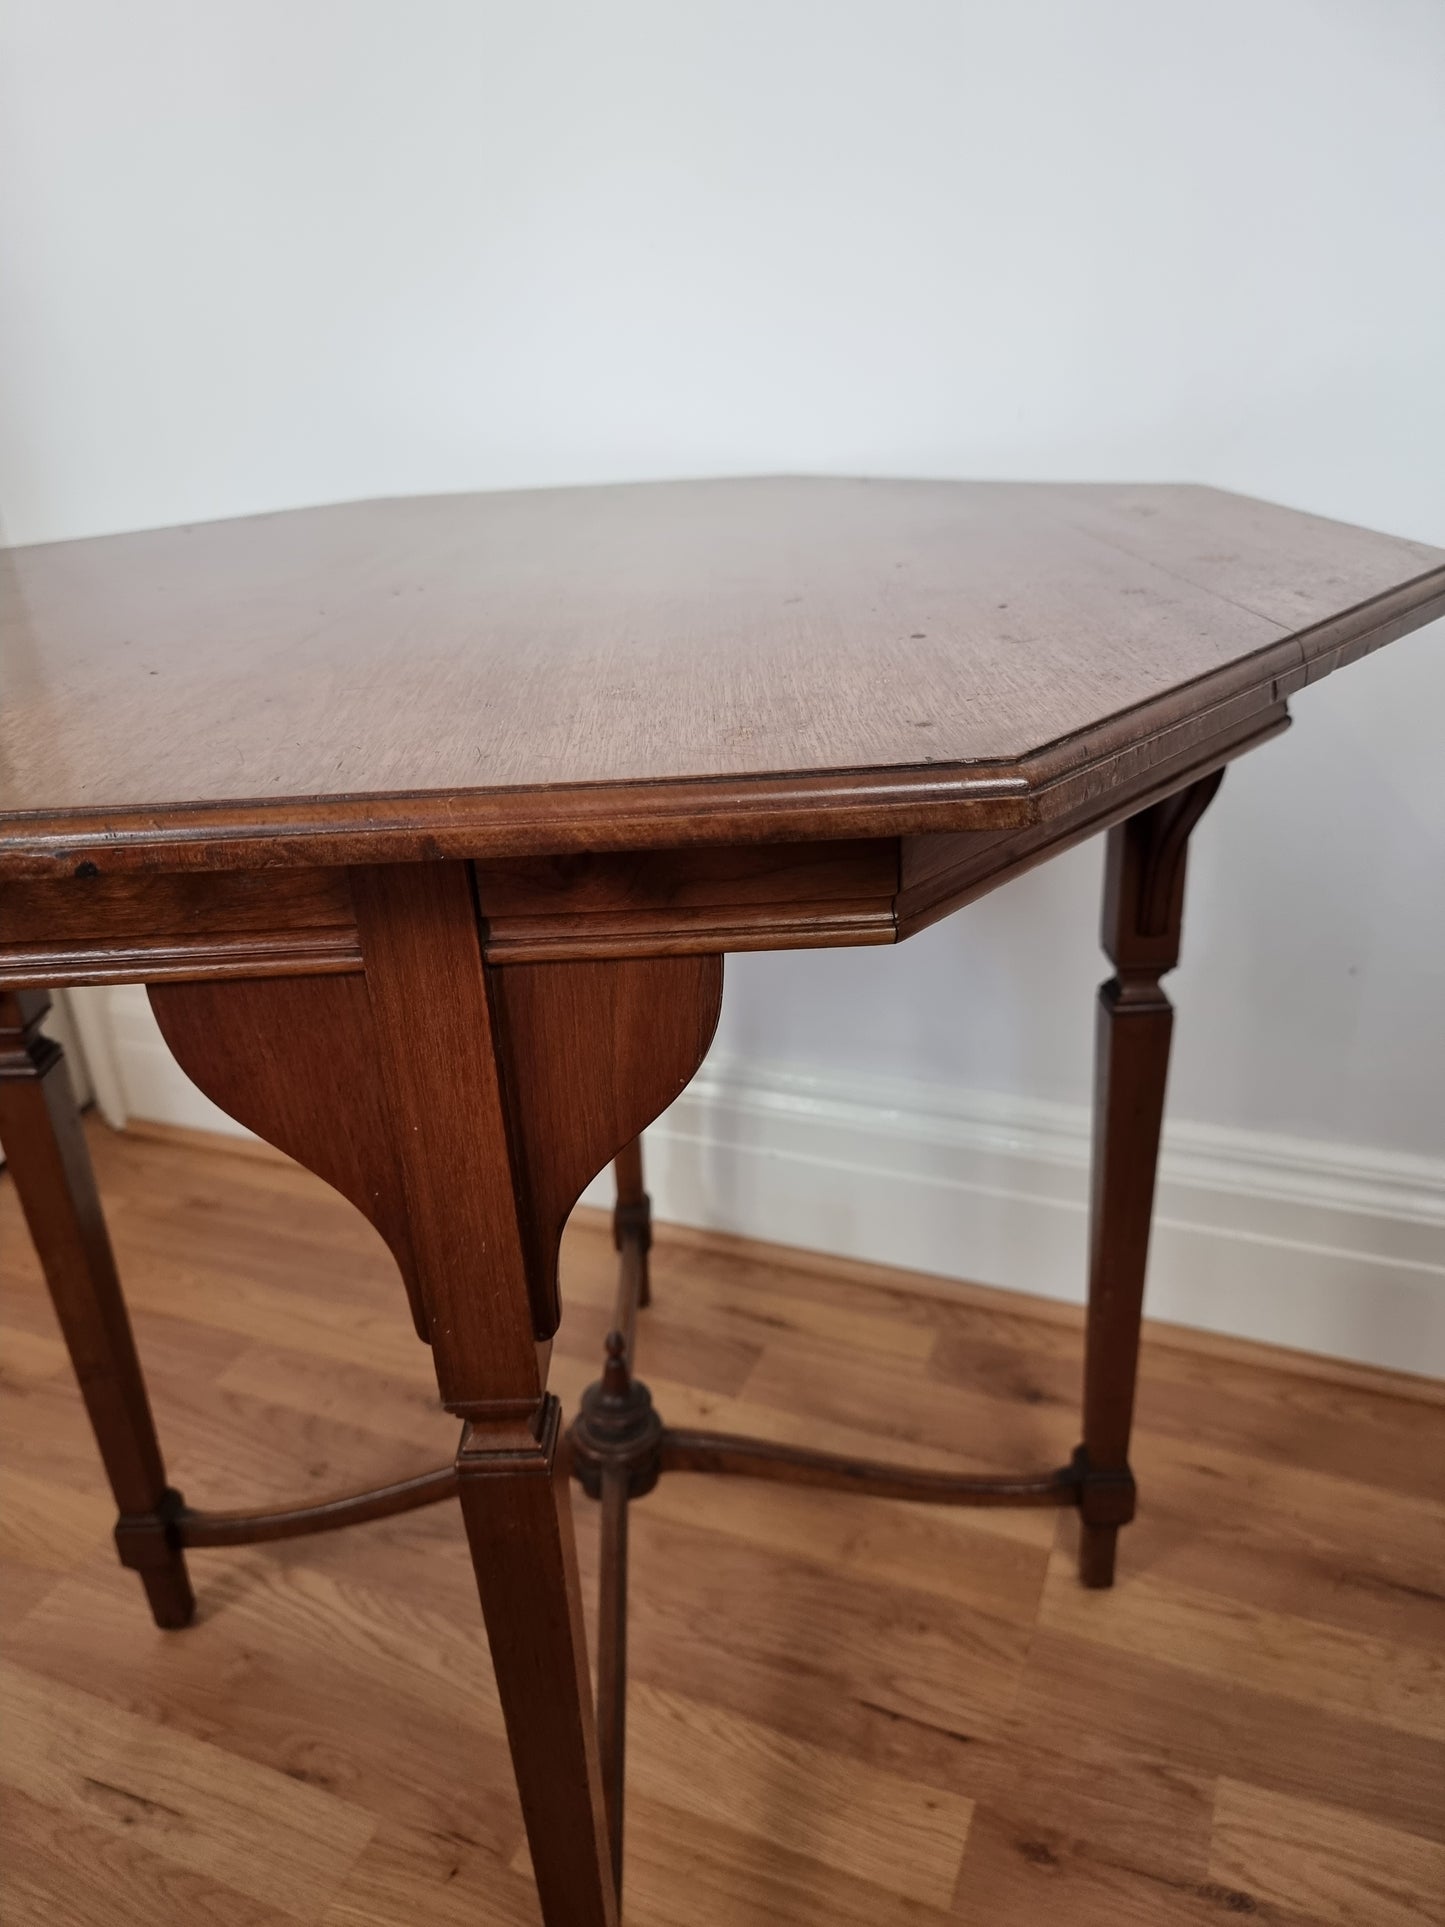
column 843, row 1711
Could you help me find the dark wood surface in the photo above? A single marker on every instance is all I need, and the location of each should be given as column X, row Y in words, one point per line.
column 1143, row 919
column 484, row 1100
column 463, row 1104
column 45, row 1150
column 620, row 1446
column 582, row 906
column 267, row 1050
column 651, row 665
column 290, row 924
column 427, row 823
column 593, row 1052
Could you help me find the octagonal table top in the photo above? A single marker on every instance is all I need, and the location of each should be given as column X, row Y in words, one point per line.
column 653, row 663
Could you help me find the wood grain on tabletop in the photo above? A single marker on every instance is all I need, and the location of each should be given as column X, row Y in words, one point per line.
column 843, row 1711
column 647, row 635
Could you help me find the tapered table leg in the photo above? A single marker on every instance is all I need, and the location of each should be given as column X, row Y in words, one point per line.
column 632, row 1214
column 446, row 1059
column 517, row 1506
column 45, row 1149
column 464, row 1108
column 1143, row 914
column 612, row 1658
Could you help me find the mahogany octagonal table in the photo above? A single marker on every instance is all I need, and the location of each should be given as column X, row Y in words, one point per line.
column 427, row 824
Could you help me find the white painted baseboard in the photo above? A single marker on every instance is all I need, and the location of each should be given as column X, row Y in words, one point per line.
column 1332, row 1250
column 1327, row 1248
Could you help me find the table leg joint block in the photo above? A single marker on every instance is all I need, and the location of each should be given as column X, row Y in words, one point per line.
column 148, row 1541
column 150, row 1545
column 511, row 1450
column 633, row 1222
column 1107, row 1495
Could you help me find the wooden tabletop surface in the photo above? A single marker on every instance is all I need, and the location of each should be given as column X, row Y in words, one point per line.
column 694, row 643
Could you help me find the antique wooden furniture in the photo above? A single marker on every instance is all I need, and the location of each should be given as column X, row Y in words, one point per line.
column 427, row 824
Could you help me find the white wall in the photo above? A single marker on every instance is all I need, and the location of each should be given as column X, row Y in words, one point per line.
column 265, row 254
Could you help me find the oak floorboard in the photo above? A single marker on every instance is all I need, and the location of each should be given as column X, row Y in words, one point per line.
column 845, row 1713
column 433, row 1877
column 1353, row 1869
column 1112, row 1708
column 1024, row 1874
column 684, row 1870
column 1238, row 1644
column 109, row 1877
column 196, row 1805
column 908, row 1685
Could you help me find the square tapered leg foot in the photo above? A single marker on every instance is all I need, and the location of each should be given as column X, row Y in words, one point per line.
column 1097, row 1546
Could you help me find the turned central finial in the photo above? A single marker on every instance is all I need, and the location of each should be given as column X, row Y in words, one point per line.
column 616, row 1378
